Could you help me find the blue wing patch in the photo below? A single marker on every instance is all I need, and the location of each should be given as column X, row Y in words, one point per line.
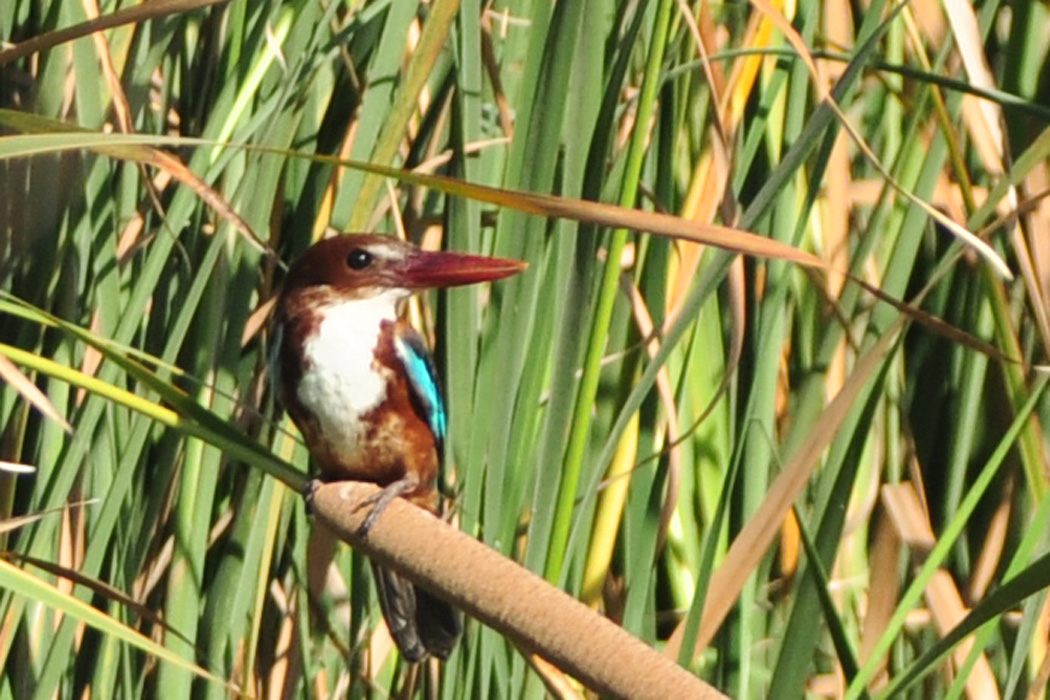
column 413, row 353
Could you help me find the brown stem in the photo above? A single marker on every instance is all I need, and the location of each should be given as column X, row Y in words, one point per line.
column 533, row 614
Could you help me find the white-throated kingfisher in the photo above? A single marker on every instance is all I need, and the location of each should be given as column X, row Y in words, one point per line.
column 359, row 383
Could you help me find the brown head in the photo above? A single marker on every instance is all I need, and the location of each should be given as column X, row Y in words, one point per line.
column 363, row 265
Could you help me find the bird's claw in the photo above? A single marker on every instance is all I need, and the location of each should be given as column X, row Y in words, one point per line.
column 370, row 519
column 380, row 500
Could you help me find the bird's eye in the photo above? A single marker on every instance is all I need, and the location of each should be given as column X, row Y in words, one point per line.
column 359, row 259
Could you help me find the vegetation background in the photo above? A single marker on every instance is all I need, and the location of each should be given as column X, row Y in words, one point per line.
column 795, row 485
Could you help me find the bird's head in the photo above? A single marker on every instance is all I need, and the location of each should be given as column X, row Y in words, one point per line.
column 362, row 266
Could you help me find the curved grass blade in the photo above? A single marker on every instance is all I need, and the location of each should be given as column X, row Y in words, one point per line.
column 33, row 588
column 946, row 541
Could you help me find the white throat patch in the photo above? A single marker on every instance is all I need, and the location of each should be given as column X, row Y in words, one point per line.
column 341, row 379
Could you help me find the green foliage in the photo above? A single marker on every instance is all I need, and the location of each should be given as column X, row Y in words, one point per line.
column 809, row 481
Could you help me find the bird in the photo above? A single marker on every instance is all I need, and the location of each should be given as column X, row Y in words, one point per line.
column 360, row 384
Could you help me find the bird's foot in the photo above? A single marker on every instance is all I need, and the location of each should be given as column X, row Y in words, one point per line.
column 380, row 501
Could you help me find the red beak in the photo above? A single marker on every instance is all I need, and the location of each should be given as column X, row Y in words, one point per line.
column 426, row 269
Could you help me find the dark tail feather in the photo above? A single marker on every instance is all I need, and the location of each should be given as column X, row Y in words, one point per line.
column 440, row 625
column 420, row 623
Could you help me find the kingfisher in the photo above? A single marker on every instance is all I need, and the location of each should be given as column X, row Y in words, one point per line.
column 360, row 384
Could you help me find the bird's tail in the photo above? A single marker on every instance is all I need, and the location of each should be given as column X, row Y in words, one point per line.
column 420, row 623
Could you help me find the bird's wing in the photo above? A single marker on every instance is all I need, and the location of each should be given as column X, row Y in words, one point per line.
column 412, row 351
